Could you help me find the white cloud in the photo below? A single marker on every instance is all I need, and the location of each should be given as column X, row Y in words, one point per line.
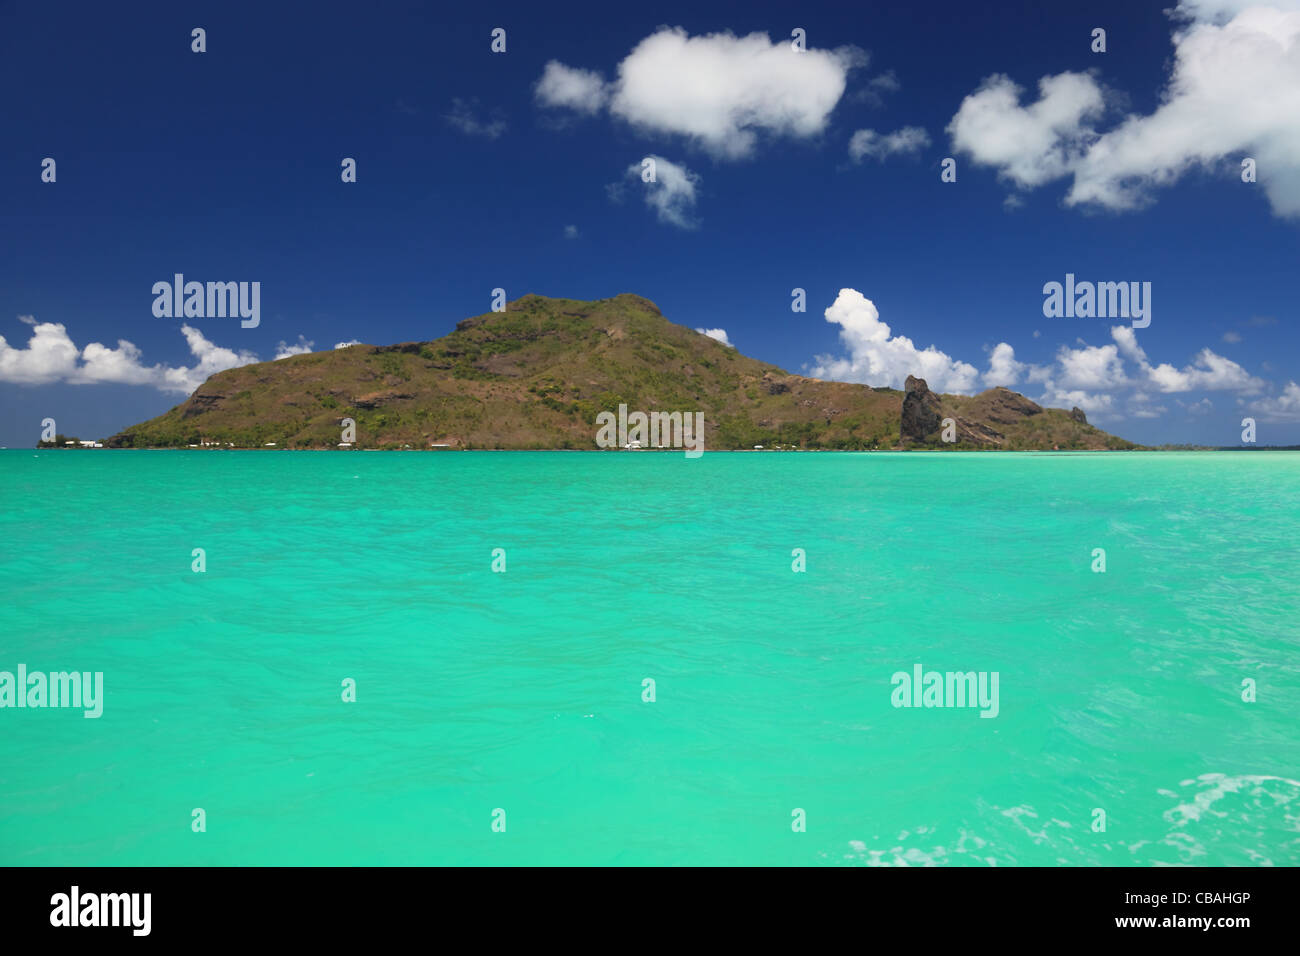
column 1003, row 367
column 1234, row 92
column 1032, row 144
column 718, row 90
column 1216, row 10
column 564, row 87
column 121, row 365
column 877, row 357
column 719, row 335
column 1042, row 374
column 212, row 359
column 868, row 143
column 464, row 118
column 1095, row 378
column 1209, row 371
column 343, row 345
column 570, row 232
column 1093, row 366
column 1279, row 408
column 1232, row 338
column 301, row 347
column 1092, row 403
column 1126, row 339
column 672, row 194
column 51, row 356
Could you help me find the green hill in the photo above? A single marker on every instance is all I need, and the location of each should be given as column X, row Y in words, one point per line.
column 537, row 375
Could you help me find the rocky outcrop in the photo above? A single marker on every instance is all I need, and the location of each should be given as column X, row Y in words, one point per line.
column 775, row 386
column 1004, row 406
column 201, row 402
column 1077, row 414
column 921, row 411
column 978, row 433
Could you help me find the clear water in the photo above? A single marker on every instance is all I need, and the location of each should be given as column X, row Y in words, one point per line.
column 1119, row 691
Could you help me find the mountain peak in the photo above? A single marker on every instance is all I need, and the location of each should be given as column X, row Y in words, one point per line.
column 538, row 374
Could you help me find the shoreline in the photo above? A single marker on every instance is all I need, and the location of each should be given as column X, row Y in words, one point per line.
column 755, row 451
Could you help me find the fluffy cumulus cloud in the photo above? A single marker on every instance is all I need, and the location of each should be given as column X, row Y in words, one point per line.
column 1284, row 407
column 343, row 345
column 1097, row 404
column 564, row 87
column 867, row 143
column 1108, row 381
column 878, row 357
column 51, row 356
column 718, row 90
column 212, row 359
column 1208, row 371
column 1029, row 145
column 1091, row 366
column 1003, row 368
column 122, row 365
column 1233, row 93
column 1082, row 377
column 671, row 194
column 719, row 335
column 285, row 349
column 1090, row 377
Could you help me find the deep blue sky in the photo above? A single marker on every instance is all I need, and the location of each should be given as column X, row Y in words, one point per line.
column 225, row 166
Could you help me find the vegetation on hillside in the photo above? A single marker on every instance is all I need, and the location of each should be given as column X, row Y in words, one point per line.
column 536, row 376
